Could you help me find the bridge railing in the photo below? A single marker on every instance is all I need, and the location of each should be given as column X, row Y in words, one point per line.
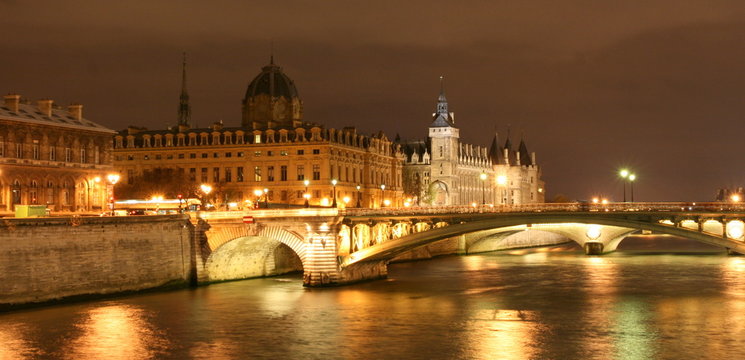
column 695, row 207
column 716, row 207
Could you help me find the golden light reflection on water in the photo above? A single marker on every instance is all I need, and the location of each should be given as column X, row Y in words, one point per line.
column 477, row 263
column 503, row 334
column 116, row 332
column 632, row 335
column 14, row 343
column 600, row 276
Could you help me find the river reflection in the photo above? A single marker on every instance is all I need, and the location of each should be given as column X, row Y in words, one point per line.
column 516, row 305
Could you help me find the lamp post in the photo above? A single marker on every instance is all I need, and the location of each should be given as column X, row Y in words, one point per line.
column 258, row 193
column 632, row 177
column 306, row 195
column 483, row 188
column 113, row 179
column 266, row 198
column 359, row 196
column 502, row 182
column 624, row 174
column 382, row 195
column 206, row 189
column 333, row 183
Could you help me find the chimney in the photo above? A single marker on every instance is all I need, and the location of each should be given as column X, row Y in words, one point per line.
column 45, row 106
column 76, row 110
column 12, row 101
column 532, row 158
column 517, row 158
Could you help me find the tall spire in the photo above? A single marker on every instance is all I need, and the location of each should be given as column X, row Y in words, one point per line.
column 442, row 116
column 442, row 102
column 184, row 108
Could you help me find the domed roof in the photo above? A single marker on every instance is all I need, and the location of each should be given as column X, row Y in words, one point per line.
column 272, row 81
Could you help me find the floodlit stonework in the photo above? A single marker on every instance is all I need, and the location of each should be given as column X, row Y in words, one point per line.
column 273, row 149
column 442, row 170
column 52, row 156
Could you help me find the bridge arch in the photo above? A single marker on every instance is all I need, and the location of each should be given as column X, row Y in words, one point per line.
column 236, row 253
column 392, row 248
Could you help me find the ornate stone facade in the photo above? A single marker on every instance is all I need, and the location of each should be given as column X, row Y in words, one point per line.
column 50, row 156
column 444, row 171
column 277, row 153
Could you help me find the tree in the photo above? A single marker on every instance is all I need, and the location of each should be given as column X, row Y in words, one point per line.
column 166, row 182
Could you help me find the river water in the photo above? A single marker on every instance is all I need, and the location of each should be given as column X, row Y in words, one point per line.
column 658, row 298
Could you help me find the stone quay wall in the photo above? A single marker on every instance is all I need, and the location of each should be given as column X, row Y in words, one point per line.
column 45, row 259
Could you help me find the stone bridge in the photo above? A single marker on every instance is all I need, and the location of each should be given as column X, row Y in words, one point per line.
column 334, row 247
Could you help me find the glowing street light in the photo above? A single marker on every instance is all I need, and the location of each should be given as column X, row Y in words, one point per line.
column 735, row 198
column 333, row 183
column 359, row 197
column 113, row 179
column 258, row 193
column 306, row 195
column 632, row 177
column 624, row 174
column 382, row 194
column 266, row 198
column 206, row 189
column 501, row 180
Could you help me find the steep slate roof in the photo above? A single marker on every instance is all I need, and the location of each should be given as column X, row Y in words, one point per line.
column 31, row 114
column 525, row 158
column 495, row 154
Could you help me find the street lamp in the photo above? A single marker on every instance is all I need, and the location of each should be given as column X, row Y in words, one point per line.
column 333, row 182
column 258, row 193
column 624, row 174
column 359, row 196
column 632, row 177
column 382, row 195
column 113, row 179
column 483, row 188
column 266, row 198
column 306, row 195
column 206, row 189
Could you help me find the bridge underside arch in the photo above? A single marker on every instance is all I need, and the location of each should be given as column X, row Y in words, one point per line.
column 249, row 257
column 514, row 237
column 611, row 232
column 270, row 251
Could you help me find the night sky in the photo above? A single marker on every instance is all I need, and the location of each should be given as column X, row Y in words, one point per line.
column 592, row 85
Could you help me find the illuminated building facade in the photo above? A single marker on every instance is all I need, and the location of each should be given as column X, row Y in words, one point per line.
column 273, row 149
column 444, row 171
column 52, row 156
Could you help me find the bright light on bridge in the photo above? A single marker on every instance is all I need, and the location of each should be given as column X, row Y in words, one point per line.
column 594, row 232
column 735, row 229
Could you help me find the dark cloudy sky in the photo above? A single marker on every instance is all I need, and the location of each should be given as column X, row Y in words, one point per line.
column 593, row 85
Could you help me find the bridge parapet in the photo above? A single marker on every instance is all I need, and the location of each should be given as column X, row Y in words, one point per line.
column 338, row 246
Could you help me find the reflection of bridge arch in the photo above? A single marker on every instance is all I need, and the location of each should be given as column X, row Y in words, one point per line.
column 392, row 248
column 237, row 253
